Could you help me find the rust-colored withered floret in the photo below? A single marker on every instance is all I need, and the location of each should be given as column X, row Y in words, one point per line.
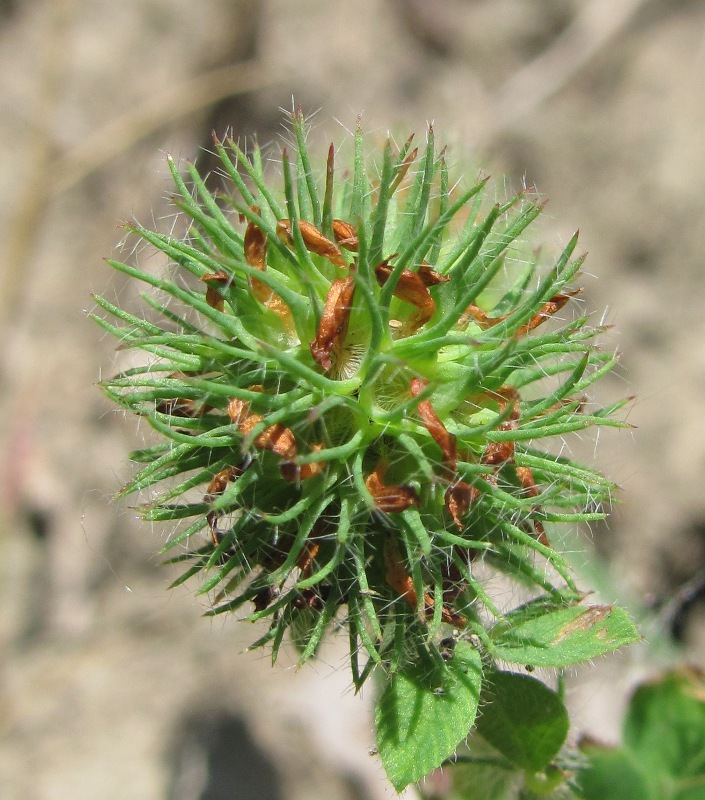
column 313, row 239
column 333, row 326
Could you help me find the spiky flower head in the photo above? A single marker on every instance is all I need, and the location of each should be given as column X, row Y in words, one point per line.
column 354, row 371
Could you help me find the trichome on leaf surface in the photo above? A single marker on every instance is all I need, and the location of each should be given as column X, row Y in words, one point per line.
column 353, row 371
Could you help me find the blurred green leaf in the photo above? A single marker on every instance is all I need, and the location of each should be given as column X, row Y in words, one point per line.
column 480, row 773
column 663, row 756
column 613, row 773
column 665, row 728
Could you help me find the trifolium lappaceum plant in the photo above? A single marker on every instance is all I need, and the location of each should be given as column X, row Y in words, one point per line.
column 358, row 375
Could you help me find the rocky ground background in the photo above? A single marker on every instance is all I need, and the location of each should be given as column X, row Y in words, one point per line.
column 113, row 687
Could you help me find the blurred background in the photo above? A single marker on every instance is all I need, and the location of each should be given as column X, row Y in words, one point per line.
column 113, row 687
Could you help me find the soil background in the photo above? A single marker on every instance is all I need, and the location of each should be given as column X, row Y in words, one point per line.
column 111, row 686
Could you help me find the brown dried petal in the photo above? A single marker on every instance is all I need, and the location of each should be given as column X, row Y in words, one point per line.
column 499, row 452
column 453, row 582
column 276, row 438
column 213, row 297
column 395, row 499
column 220, row 481
column 238, row 410
column 383, row 270
column 265, row 597
column 255, row 245
column 481, row 317
column 308, row 598
column 397, row 575
column 273, row 302
column 284, row 232
column 181, row 407
column 459, row 497
column 334, row 321
column 506, row 395
column 541, row 533
column 526, row 479
column 411, row 288
column 548, row 309
column 389, row 499
column 403, row 168
column 345, row 235
column 216, row 487
column 221, row 278
column 430, row 277
column 313, row 239
column 398, row 578
column 503, row 397
column 313, row 468
column 445, row 440
column 305, row 560
column 451, row 617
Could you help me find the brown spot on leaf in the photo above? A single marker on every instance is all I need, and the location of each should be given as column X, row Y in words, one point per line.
column 592, row 616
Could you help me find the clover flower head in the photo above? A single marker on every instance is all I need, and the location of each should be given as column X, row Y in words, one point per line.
column 354, row 400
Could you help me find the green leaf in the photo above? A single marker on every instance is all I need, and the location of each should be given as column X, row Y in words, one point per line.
column 523, row 719
column 564, row 637
column 425, row 712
